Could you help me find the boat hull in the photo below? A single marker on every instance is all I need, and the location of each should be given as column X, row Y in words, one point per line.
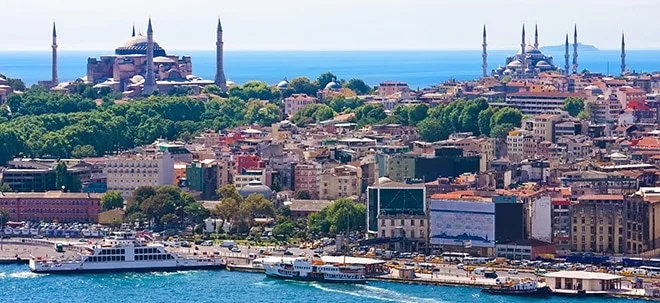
column 316, row 279
column 539, row 292
column 130, row 269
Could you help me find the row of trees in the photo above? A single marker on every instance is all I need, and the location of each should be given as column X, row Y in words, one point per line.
column 234, row 208
column 165, row 206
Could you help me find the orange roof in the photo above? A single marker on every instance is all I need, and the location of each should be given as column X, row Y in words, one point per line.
column 601, row 197
column 648, row 142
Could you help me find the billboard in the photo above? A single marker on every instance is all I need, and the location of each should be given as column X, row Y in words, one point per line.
column 460, row 222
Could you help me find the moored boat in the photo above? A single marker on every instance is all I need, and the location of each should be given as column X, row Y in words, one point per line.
column 122, row 251
column 304, row 269
column 530, row 288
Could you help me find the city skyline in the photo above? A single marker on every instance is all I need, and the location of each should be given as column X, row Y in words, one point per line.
column 374, row 25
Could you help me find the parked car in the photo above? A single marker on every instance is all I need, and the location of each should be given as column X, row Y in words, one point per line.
column 207, row 243
column 235, row 249
column 512, row 271
column 288, row 253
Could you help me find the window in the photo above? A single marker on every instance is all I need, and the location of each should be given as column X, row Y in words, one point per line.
column 412, row 222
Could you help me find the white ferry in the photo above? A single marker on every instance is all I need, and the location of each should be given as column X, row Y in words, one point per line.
column 122, row 251
column 303, row 269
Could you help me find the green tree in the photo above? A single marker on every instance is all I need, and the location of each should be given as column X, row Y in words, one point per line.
column 4, row 216
column 303, row 195
column 212, row 89
column 169, row 219
column 469, row 116
column 483, row 121
column 417, row 113
column 312, row 113
column 501, row 130
column 506, row 115
column 112, row 199
column 226, row 210
column 5, row 188
column 302, row 85
column 573, row 106
column 323, row 80
column 83, row 151
column 195, row 213
column 358, row 86
column 61, row 176
column 284, row 229
column 432, row 130
column 341, row 215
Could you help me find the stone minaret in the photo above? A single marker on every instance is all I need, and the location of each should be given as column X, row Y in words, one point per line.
column 623, row 54
column 567, row 66
column 149, row 79
column 133, row 34
column 523, row 57
column 220, row 79
column 575, row 52
column 54, row 80
column 484, row 55
column 536, row 36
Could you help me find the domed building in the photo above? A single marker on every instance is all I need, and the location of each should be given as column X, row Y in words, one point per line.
column 134, row 71
column 528, row 62
column 283, row 85
column 255, row 187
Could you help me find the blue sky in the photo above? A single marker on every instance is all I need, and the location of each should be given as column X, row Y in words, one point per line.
column 328, row 25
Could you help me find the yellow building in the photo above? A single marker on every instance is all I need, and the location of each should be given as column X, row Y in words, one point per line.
column 340, row 182
column 111, row 217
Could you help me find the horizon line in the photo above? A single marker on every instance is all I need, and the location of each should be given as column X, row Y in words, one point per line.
column 322, row 50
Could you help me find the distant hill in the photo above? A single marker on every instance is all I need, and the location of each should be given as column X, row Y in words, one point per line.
column 560, row 48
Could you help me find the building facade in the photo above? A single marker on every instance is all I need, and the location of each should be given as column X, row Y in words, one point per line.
column 52, row 206
column 128, row 172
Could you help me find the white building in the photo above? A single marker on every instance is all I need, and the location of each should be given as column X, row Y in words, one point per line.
column 541, row 217
column 296, row 103
column 128, row 172
column 248, row 176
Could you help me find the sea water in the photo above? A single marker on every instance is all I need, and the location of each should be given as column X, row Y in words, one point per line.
column 417, row 68
column 18, row 284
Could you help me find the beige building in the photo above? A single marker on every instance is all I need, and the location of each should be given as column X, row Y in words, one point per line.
column 248, row 176
column 543, row 126
column 340, row 182
column 296, row 103
column 608, row 224
column 128, row 172
column 307, row 177
column 520, row 145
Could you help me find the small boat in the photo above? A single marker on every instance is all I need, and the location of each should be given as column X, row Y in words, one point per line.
column 529, row 288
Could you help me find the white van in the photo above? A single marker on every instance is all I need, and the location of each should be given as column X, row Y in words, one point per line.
column 227, row 243
column 479, row 270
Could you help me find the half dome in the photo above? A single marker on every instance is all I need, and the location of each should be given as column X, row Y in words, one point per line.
column 138, row 46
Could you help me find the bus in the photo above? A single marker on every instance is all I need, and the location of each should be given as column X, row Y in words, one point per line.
column 454, row 256
column 651, row 270
column 59, row 247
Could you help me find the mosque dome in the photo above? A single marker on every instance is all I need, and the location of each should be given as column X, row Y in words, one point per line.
column 137, row 45
column 255, row 187
column 137, row 79
column 3, row 81
column 543, row 64
column 333, row 85
column 530, row 49
column 514, row 63
column 163, row 60
column 284, row 84
column 595, row 90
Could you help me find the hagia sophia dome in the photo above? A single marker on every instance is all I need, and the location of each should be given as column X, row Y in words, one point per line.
column 137, row 45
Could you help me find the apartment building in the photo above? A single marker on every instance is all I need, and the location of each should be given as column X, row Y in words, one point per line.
column 52, row 206
column 130, row 171
column 339, row 182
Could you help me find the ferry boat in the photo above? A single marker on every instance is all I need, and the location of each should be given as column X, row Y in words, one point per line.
column 526, row 287
column 123, row 251
column 304, row 269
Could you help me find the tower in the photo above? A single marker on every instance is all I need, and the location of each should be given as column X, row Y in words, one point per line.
column 536, row 36
column 623, row 54
column 523, row 57
column 149, row 79
column 484, row 55
column 54, row 80
column 220, row 79
column 575, row 52
column 133, row 34
column 567, row 56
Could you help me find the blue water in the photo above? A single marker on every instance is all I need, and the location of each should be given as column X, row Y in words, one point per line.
column 17, row 284
column 418, row 68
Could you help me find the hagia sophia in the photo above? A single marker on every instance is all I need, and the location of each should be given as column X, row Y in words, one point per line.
column 140, row 66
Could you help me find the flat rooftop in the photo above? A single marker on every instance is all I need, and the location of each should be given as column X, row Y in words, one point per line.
column 584, row 275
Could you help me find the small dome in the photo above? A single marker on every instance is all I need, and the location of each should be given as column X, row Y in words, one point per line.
column 162, row 60
column 333, row 85
column 514, row 63
column 284, row 84
column 137, row 79
column 507, row 72
column 542, row 63
column 383, row 180
column 230, row 83
column 255, row 187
